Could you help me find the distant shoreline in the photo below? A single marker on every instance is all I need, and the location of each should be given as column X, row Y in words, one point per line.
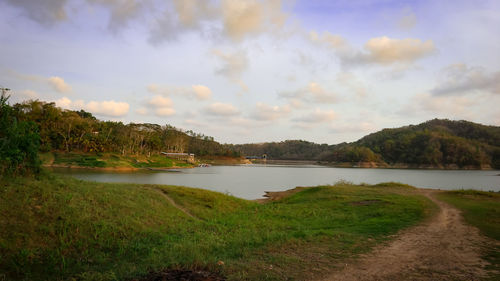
column 373, row 165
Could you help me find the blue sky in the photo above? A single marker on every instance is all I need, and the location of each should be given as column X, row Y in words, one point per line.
column 253, row 71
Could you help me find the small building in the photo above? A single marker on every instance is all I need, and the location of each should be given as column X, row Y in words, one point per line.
column 189, row 157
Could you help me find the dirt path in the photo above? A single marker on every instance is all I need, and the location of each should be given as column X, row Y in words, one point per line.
column 172, row 202
column 443, row 248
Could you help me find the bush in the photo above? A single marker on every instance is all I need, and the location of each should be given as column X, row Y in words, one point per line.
column 19, row 142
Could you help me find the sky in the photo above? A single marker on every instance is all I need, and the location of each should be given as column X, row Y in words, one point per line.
column 246, row 71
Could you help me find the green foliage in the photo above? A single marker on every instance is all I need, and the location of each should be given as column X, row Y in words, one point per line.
column 434, row 143
column 19, row 142
column 285, row 150
column 80, row 131
column 57, row 228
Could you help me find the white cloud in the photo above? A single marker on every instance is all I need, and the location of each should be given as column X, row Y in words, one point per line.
column 105, row 108
column 198, row 92
column 380, row 50
column 158, row 105
column 249, row 17
column 233, row 66
column 460, row 79
column 64, row 102
column 59, row 84
column 108, row 108
column 222, row 109
column 313, row 92
column 202, row 92
column 160, row 101
column 234, row 19
column 265, row 112
column 165, row 111
column 385, row 50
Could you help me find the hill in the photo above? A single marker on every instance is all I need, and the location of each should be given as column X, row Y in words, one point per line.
column 433, row 144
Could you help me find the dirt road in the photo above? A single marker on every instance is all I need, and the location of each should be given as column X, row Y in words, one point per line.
column 443, row 248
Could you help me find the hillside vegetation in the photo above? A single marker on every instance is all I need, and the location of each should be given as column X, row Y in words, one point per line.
column 435, row 143
column 79, row 131
column 58, row 228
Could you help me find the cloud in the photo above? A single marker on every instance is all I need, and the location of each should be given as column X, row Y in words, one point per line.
column 249, row 17
column 202, row 92
column 234, row 19
column 313, row 93
column 158, row 105
column 184, row 16
column 160, row 101
column 121, row 11
column 222, row 109
column 317, row 116
column 45, row 12
column 106, row 108
column 384, row 50
column 59, row 85
column 460, row 79
column 233, row 66
column 199, row 92
column 332, row 41
column 380, row 50
column 265, row 112
column 165, row 111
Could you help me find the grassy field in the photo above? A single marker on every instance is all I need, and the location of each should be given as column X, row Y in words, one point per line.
column 109, row 160
column 59, row 228
column 482, row 210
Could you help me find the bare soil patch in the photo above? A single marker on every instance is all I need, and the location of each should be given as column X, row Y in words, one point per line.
column 442, row 248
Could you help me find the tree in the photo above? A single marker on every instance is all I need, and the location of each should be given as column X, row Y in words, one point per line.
column 19, row 141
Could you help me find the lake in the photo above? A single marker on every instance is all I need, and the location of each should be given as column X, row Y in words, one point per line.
column 251, row 181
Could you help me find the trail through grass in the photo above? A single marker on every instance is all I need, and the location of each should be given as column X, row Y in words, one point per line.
column 59, row 228
column 482, row 210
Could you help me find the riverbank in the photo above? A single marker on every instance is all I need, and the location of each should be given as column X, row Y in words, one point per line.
column 60, row 228
column 126, row 163
column 378, row 165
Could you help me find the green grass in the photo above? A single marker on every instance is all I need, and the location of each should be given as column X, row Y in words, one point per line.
column 59, row 228
column 482, row 210
column 109, row 160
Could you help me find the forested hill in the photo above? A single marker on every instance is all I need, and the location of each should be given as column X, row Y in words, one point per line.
column 67, row 130
column 435, row 143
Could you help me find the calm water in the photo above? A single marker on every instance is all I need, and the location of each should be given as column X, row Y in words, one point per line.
column 250, row 181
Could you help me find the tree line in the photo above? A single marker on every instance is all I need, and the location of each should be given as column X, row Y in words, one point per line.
column 56, row 129
column 433, row 143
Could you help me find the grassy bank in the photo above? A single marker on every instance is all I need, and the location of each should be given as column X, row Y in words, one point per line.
column 482, row 210
column 59, row 228
column 109, row 160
